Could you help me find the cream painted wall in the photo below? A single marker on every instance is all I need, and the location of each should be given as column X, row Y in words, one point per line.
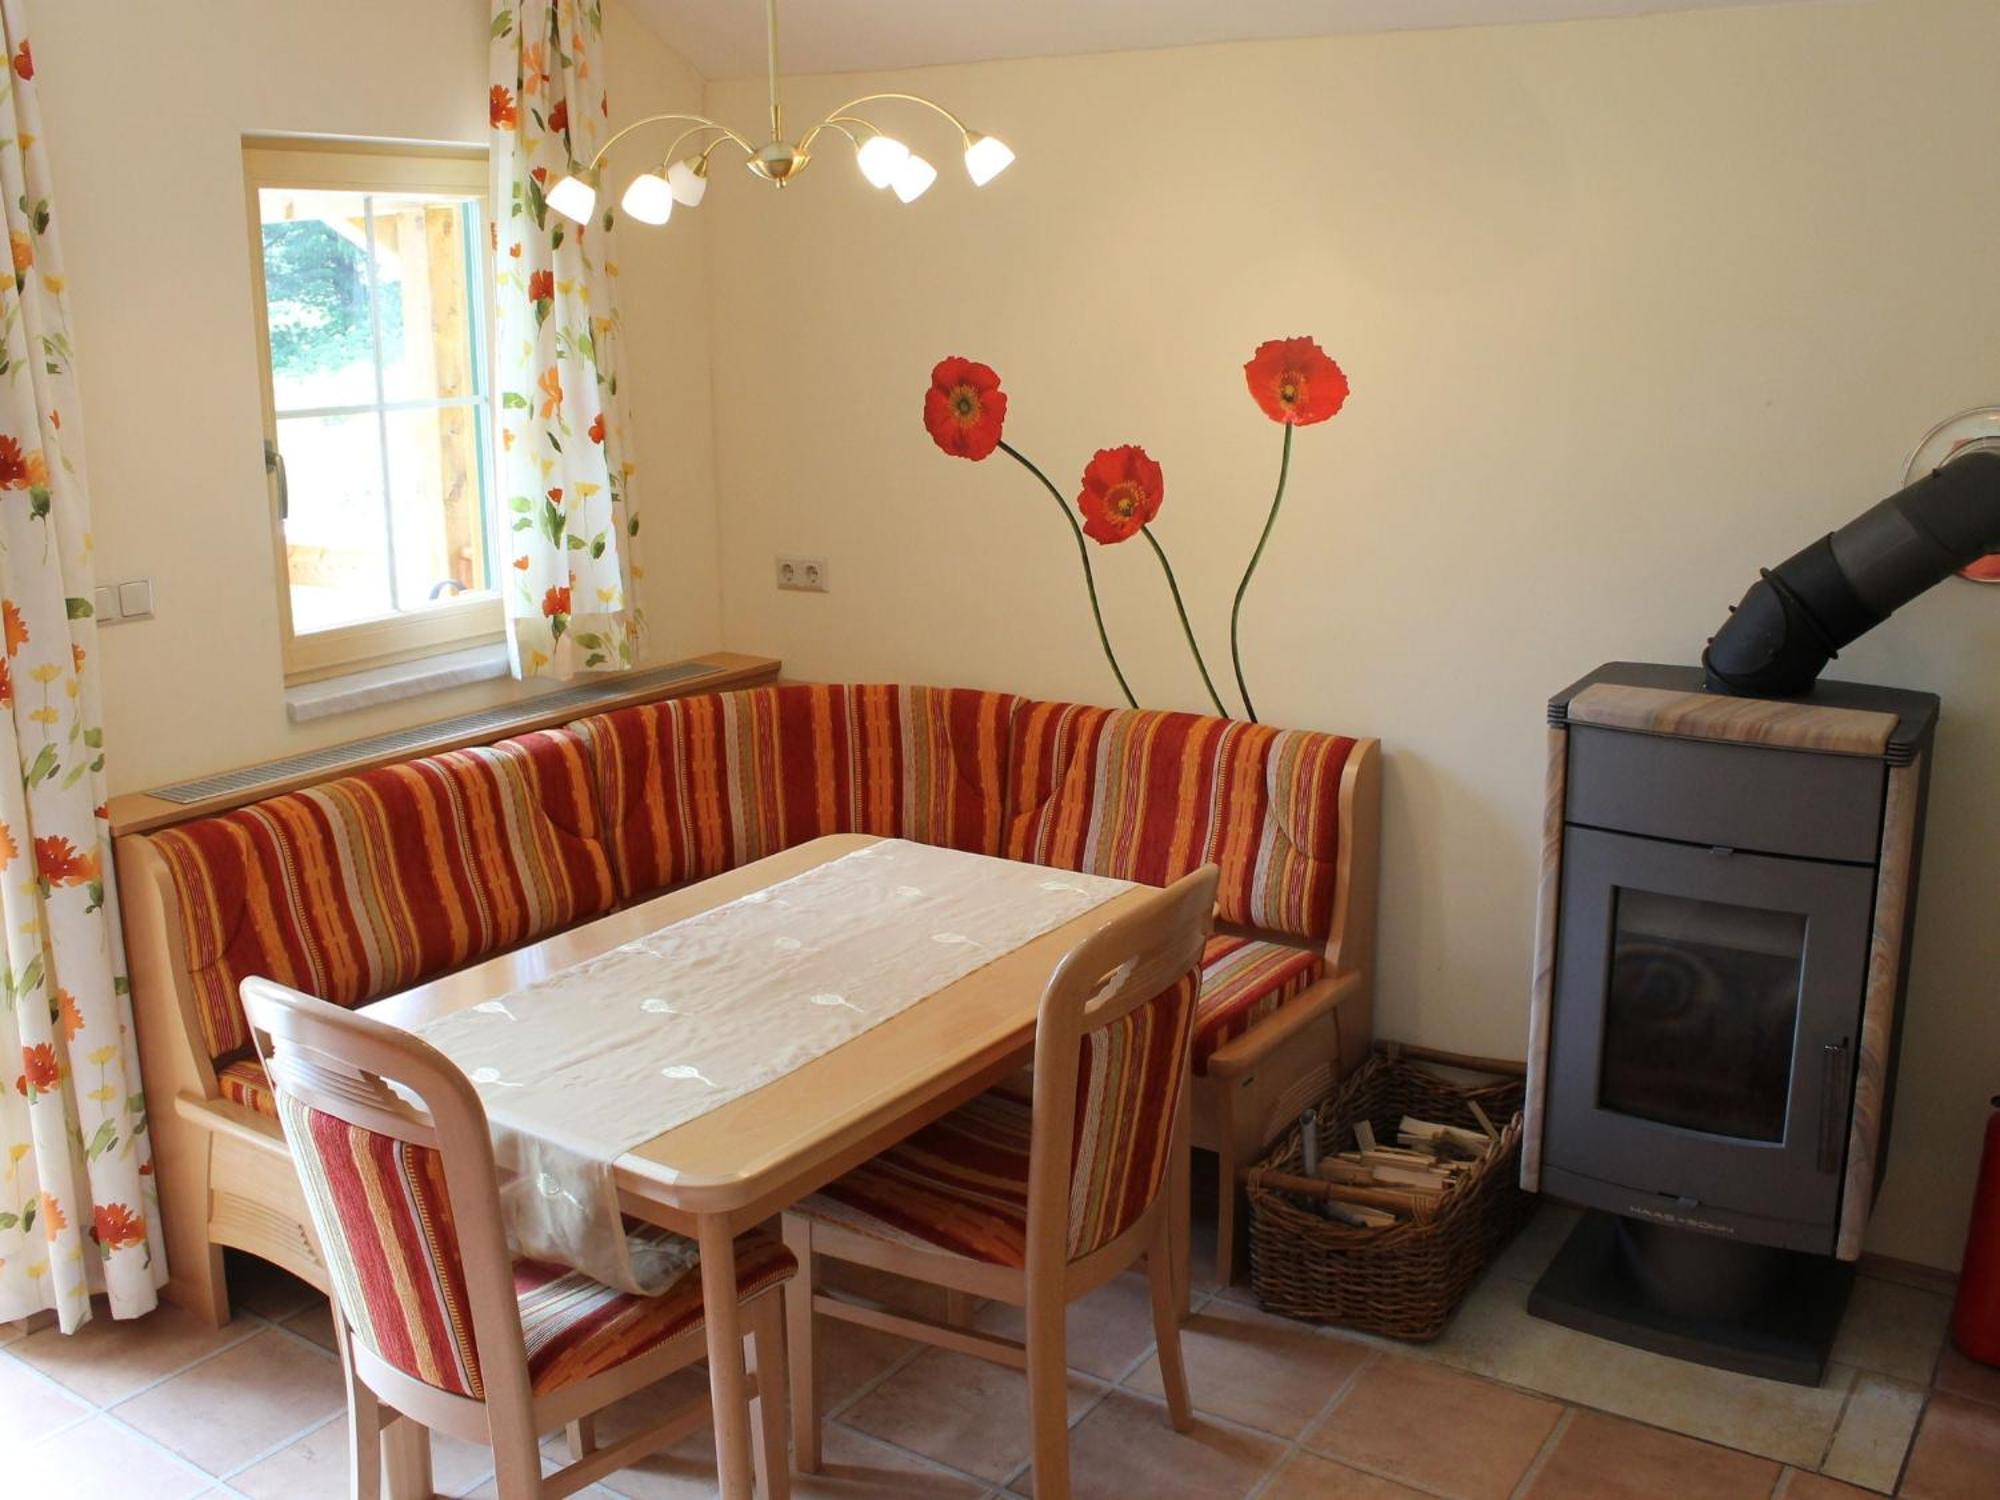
column 145, row 109
column 1630, row 308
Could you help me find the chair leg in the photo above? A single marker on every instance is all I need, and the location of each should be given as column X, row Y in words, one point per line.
column 1167, row 1328
column 582, row 1435
column 364, row 1424
column 767, row 1412
column 517, row 1462
column 800, row 1354
column 958, row 1308
column 1048, row 1400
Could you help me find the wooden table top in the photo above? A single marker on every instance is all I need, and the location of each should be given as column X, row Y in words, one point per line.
column 857, row 1096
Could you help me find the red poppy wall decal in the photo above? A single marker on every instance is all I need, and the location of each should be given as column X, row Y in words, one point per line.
column 1293, row 381
column 964, row 411
column 1297, row 384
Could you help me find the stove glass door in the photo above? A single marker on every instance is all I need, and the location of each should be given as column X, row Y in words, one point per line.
column 1701, row 1009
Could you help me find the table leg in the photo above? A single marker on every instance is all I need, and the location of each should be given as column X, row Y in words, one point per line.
column 727, row 1382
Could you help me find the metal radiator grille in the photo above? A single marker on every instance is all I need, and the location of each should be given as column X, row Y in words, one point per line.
column 466, row 726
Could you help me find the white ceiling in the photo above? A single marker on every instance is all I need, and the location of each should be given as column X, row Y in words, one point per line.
column 725, row 38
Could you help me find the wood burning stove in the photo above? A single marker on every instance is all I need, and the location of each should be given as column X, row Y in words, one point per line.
column 1728, row 889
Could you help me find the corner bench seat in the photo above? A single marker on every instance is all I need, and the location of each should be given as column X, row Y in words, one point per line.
column 371, row 883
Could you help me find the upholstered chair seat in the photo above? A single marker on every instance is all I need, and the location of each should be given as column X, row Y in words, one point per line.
column 959, row 1185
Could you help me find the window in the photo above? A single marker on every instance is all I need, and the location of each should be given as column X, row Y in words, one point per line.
column 370, row 279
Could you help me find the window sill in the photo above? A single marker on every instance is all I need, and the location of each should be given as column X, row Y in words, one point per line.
column 409, row 679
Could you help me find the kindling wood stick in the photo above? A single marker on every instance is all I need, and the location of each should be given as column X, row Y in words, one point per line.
column 1378, row 1200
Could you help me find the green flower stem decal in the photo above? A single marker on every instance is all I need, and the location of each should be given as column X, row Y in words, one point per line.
column 1236, row 609
column 1174, row 587
column 1083, row 556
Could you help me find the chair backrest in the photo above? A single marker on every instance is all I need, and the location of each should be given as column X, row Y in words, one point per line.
column 1112, row 1044
column 405, row 1199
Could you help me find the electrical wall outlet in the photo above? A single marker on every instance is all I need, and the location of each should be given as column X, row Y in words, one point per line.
column 802, row 575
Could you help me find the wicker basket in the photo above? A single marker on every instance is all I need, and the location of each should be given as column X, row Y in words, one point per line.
column 1404, row 1280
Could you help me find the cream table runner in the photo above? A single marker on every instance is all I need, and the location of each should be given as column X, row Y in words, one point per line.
column 579, row 1068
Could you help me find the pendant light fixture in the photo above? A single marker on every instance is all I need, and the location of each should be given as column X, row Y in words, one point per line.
column 885, row 161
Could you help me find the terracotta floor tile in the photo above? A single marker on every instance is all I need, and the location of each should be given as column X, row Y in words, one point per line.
column 1957, row 1452
column 108, row 1359
column 851, row 1358
column 1802, row 1486
column 315, row 1323
column 32, row 1406
column 959, row 1411
column 1306, row 1476
column 1108, row 1332
column 1391, row 1419
column 315, row 1467
column 1265, row 1372
column 1125, row 1448
column 98, row 1460
column 1968, row 1378
column 1874, row 1432
column 1893, row 1329
column 1608, row 1458
column 228, row 1410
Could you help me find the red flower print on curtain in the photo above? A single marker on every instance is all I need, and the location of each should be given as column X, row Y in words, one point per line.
column 77, row 1207
column 565, row 472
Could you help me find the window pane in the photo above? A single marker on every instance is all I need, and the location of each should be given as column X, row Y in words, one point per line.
column 423, row 275
column 316, row 298
column 336, row 545
column 434, row 484
column 1698, row 1024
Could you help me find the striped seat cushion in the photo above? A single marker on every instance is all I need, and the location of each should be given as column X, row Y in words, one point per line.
column 576, row 1327
column 244, row 1082
column 695, row 786
column 1149, row 796
column 960, row 1185
column 370, row 883
column 1243, row 980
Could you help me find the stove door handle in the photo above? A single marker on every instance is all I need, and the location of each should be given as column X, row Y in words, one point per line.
column 1832, row 1103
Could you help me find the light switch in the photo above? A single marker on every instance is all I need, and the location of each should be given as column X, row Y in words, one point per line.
column 104, row 604
column 135, row 597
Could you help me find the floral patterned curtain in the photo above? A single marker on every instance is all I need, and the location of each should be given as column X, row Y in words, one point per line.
column 562, row 472
column 77, row 1207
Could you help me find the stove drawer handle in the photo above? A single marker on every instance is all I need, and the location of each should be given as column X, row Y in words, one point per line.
column 1832, row 1103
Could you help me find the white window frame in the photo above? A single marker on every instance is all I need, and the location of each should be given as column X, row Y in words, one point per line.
column 370, row 167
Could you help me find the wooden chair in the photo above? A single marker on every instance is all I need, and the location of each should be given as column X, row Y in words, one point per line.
column 1036, row 1202
column 436, row 1322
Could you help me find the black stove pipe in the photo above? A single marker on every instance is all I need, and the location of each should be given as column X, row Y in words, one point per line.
column 1799, row 614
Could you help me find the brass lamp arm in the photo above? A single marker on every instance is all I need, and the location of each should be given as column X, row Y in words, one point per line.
column 842, row 113
column 698, row 122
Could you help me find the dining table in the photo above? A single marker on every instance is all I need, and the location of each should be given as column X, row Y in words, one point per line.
column 736, row 1166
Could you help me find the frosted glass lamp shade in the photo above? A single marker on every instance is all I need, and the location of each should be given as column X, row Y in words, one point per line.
column 880, row 158
column 689, row 180
column 575, row 197
column 986, row 157
column 649, row 199
column 913, row 178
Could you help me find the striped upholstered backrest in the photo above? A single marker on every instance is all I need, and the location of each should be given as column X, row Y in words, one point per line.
column 1143, row 795
column 384, row 1221
column 1128, row 1084
column 695, row 786
column 371, row 883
